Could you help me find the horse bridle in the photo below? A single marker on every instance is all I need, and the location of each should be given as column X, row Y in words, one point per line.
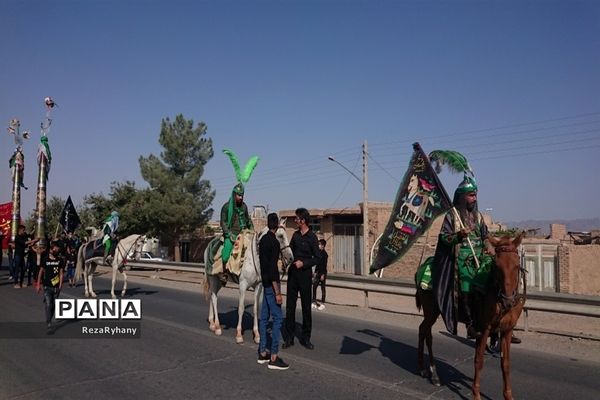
column 514, row 297
column 124, row 257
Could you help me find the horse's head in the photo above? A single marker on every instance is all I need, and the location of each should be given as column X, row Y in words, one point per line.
column 508, row 265
column 284, row 244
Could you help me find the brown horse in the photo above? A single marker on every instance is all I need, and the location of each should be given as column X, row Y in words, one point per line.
column 500, row 310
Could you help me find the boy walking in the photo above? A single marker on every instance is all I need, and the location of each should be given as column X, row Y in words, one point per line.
column 320, row 276
column 51, row 276
column 268, row 254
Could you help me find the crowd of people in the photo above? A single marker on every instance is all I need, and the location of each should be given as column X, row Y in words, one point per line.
column 43, row 269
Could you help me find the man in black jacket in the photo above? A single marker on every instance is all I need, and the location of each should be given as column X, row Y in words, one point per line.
column 268, row 254
column 304, row 245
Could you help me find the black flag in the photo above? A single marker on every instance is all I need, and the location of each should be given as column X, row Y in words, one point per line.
column 420, row 199
column 68, row 217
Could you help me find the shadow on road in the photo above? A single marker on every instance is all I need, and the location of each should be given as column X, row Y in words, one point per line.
column 405, row 356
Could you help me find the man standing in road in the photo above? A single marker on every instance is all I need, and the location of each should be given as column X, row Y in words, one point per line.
column 268, row 254
column 304, row 245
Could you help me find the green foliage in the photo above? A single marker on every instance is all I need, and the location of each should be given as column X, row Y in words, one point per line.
column 178, row 200
column 54, row 207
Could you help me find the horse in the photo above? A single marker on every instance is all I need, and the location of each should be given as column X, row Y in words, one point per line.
column 87, row 267
column 501, row 308
column 249, row 278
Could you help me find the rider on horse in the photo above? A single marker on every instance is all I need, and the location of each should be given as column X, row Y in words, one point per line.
column 111, row 224
column 464, row 236
column 234, row 219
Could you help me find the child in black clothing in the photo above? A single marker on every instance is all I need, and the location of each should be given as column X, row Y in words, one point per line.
column 320, row 276
column 51, row 276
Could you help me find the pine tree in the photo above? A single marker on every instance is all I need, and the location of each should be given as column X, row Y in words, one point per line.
column 178, row 200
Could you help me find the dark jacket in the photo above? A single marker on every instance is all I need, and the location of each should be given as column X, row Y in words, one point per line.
column 268, row 254
column 306, row 249
column 322, row 264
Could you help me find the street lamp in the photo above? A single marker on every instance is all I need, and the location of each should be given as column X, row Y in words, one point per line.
column 364, row 183
column 342, row 165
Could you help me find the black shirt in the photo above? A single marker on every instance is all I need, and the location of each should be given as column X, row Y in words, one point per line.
column 52, row 268
column 305, row 248
column 322, row 264
column 268, row 254
column 21, row 244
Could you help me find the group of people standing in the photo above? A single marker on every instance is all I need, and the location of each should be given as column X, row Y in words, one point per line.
column 309, row 253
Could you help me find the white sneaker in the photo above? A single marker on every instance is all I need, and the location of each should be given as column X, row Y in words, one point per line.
column 321, row 307
column 313, row 305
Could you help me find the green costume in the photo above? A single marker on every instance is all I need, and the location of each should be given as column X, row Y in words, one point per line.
column 234, row 217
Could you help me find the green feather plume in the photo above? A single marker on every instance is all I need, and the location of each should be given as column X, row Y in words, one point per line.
column 455, row 161
column 242, row 175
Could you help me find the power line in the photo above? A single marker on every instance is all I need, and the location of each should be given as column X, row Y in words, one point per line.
column 459, row 133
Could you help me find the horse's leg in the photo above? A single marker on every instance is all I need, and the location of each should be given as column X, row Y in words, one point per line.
column 478, row 362
column 429, row 339
column 124, row 290
column 505, row 363
column 257, row 304
column 430, row 313
column 85, row 280
column 114, row 281
column 90, row 276
column 239, row 338
column 215, row 286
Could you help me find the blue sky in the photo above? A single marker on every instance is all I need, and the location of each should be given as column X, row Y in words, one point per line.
column 513, row 85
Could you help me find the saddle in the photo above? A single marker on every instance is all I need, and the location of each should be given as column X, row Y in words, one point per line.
column 214, row 264
column 95, row 249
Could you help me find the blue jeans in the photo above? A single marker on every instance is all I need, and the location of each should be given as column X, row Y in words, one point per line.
column 270, row 308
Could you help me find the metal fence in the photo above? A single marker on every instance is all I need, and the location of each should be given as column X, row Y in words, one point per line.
column 560, row 303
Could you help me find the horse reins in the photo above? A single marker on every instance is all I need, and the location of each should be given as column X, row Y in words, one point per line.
column 514, row 298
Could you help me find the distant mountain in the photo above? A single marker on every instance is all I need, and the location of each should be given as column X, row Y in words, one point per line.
column 573, row 225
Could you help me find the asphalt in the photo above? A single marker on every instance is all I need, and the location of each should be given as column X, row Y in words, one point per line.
column 359, row 354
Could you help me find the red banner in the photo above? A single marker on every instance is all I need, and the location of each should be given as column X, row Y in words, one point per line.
column 5, row 218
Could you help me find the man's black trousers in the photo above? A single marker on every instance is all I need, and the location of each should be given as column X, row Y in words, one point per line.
column 299, row 281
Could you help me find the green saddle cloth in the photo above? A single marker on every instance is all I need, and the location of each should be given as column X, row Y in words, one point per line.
column 423, row 275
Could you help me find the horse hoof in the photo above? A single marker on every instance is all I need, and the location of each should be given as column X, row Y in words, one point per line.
column 218, row 332
column 212, row 327
column 94, row 295
column 435, row 381
column 122, row 294
column 87, row 294
column 113, row 296
column 424, row 373
column 239, row 339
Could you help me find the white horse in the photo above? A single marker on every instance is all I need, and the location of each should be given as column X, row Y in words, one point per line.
column 249, row 278
column 130, row 245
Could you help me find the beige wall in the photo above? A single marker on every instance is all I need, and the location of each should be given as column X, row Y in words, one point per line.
column 584, row 271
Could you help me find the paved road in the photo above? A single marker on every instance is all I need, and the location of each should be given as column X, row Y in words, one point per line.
column 177, row 357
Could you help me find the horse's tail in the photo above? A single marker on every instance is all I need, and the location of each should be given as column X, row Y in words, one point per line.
column 80, row 261
column 205, row 283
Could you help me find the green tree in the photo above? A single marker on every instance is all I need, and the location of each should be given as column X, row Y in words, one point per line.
column 178, row 200
column 124, row 198
column 54, row 207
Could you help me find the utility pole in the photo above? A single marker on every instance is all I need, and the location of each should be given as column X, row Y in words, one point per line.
column 365, row 269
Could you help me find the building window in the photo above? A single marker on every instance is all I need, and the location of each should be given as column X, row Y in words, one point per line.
column 315, row 224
